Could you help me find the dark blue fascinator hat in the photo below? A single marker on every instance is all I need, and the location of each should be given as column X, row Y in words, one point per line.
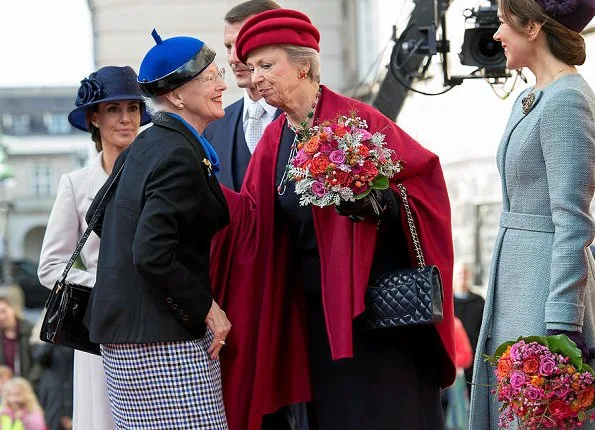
column 108, row 84
column 171, row 63
column 572, row 14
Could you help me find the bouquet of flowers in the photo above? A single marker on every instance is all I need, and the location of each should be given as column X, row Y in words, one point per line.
column 340, row 161
column 543, row 383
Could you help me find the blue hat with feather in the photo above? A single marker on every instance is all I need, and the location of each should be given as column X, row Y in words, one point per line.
column 108, row 84
column 171, row 63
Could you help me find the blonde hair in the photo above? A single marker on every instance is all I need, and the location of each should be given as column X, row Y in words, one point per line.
column 31, row 402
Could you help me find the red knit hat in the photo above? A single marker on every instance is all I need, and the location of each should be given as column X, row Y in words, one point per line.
column 276, row 27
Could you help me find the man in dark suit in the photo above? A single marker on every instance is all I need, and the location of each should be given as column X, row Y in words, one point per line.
column 235, row 136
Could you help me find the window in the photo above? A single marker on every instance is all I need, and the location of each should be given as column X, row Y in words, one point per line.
column 41, row 181
column 16, row 123
column 56, row 123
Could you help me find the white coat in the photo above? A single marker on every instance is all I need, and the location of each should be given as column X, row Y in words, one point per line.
column 65, row 226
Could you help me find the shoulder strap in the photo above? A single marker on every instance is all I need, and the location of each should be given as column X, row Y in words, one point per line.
column 412, row 229
column 96, row 215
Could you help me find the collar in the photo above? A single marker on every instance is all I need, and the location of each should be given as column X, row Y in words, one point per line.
column 97, row 176
column 206, row 146
column 270, row 110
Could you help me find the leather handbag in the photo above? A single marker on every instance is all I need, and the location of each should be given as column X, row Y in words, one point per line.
column 402, row 297
column 68, row 301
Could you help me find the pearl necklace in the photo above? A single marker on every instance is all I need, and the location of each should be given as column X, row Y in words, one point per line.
column 293, row 151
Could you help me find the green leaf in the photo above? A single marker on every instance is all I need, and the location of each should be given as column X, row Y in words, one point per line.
column 502, row 348
column 561, row 344
column 582, row 416
column 380, row 183
column 362, row 195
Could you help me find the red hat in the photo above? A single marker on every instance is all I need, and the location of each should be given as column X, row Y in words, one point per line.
column 276, row 27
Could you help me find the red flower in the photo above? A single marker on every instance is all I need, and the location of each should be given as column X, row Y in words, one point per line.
column 319, row 165
column 531, row 365
column 364, row 151
column 559, row 409
column 369, row 169
column 339, row 177
column 341, row 130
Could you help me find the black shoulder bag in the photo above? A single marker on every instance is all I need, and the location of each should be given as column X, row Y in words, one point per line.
column 403, row 297
column 67, row 303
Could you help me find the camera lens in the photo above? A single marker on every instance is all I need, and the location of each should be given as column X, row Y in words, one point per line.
column 485, row 50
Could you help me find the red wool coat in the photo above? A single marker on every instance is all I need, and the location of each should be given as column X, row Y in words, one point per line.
column 255, row 280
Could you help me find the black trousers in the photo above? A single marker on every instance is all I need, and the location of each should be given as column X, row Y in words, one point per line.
column 391, row 383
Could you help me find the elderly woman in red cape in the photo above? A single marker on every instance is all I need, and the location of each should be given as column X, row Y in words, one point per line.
column 293, row 279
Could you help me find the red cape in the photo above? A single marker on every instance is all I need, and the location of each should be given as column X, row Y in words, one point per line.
column 265, row 363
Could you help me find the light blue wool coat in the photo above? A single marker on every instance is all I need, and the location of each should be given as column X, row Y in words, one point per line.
column 542, row 273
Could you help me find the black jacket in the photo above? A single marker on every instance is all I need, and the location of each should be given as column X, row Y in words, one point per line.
column 153, row 270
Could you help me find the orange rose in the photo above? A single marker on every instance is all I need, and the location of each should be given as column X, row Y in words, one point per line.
column 364, row 151
column 323, row 136
column 319, row 165
column 531, row 365
column 585, row 398
column 341, row 130
column 504, row 367
column 311, row 146
column 537, row 381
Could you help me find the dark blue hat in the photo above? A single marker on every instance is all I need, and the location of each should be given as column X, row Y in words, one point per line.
column 171, row 63
column 108, row 84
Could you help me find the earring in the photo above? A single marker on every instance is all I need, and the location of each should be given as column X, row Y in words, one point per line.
column 302, row 75
column 96, row 125
column 181, row 106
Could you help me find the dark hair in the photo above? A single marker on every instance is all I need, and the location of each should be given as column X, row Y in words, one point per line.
column 566, row 45
column 245, row 10
column 95, row 134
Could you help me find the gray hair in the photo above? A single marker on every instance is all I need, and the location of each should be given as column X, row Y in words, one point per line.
column 301, row 56
column 154, row 105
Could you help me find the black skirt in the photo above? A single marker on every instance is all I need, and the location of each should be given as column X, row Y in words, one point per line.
column 391, row 383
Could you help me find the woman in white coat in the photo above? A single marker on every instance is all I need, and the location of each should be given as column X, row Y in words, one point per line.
column 109, row 106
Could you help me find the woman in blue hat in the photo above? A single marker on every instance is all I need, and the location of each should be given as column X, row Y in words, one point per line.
column 109, row 106
column 152, row 309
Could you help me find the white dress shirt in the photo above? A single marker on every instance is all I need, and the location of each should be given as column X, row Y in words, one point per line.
column 267, row 118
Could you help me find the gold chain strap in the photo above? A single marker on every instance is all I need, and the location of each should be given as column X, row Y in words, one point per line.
column 416, row 243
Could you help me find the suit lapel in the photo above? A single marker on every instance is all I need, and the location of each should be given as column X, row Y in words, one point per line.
column 515, row 119
column 167, row 121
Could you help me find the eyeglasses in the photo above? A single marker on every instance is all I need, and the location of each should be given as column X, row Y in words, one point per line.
column 213, row 77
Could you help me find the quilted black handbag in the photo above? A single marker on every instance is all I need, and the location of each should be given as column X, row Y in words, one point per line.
column 411, row 296
column 67, row 303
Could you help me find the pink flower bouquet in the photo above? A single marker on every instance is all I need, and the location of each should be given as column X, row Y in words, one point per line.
column 340, row 161
column 543, row 383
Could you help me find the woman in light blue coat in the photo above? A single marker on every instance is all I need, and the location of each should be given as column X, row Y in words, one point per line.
column 542, row 275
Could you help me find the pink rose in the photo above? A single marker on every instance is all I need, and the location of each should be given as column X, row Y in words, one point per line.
column 365, row 134
column 515, row 352
column 517, row 380
column 300, row 158
column 533, row 393
column 337, row 157
column 318, row 189
column 547, row 365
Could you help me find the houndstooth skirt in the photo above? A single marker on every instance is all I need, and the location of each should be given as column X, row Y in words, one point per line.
column 172, row 385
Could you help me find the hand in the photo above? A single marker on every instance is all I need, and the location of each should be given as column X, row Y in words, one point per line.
column 376, row 204
column 576, row 337
column 219, row 325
